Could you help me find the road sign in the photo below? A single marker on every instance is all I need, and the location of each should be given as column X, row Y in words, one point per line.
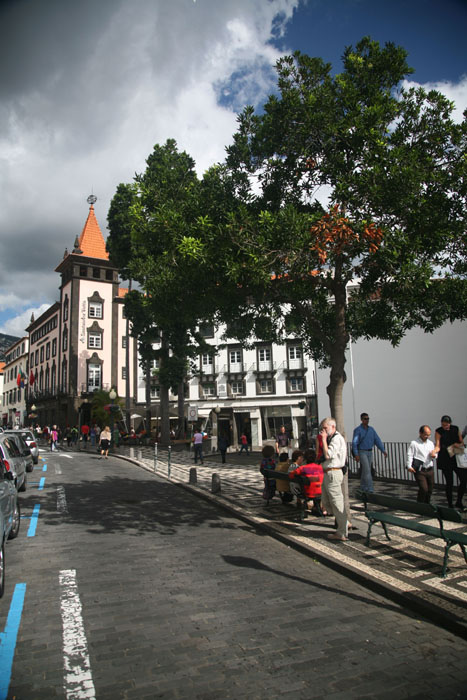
column 192, row 414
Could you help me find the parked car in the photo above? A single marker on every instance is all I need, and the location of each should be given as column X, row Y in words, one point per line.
column 10, row 516
column 24, row 449
column 14, row 461
column 30, row 440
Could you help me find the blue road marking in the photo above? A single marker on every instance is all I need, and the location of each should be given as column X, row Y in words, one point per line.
column 44, row 468
column 8, row 638
column 41, row 483
column 34, row 518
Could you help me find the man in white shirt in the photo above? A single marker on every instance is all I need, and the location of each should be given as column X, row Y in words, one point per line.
column 420, row 462
column 332, row 498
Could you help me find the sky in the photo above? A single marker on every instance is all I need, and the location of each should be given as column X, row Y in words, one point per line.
column 88, row 88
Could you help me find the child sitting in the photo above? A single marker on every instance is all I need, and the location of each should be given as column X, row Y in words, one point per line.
column 283, row 485
column 314, row 474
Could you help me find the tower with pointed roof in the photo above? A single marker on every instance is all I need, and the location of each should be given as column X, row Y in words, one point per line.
column 89, row 332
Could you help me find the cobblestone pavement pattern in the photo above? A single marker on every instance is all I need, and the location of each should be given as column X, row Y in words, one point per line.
column 180, row 600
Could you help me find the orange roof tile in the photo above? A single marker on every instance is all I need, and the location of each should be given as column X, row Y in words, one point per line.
column 91, row 240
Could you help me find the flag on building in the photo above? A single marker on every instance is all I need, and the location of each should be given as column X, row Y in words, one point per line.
column 32, row 379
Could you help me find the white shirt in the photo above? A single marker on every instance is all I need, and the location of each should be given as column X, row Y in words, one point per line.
column 337, row 451
column 419, row 449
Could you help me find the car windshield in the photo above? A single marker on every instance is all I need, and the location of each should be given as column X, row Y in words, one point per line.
column 26, row 435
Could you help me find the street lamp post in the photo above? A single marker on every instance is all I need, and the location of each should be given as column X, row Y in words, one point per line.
column 112, row 397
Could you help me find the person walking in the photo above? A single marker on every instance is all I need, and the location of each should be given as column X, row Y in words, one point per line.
column 363, row 441
column 222, row 444
column 335, row 454
column 243, row 443
column 282, row 441
column 53, row 438
column 420, row 456
column 104, row 442
column 198, row 445
column 448, row 435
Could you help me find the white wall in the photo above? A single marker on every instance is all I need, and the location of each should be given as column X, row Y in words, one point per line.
column 402, row 388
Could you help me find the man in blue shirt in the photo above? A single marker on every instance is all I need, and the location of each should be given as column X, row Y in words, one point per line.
column 363, row 441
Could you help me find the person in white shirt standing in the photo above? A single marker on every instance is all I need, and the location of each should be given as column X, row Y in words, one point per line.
column 420, row 462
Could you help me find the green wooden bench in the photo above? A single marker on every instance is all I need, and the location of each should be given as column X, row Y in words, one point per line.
column 423, row 510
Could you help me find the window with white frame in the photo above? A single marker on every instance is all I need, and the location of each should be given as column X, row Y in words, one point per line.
column 208, row 390
column 94, row 376
column 266, row 386
column 264, row 358
column 206, row 362
column 235, row 360
column 95, row 309
column 95, row 340
column 123, row 341
column 64, row 339
column 237, row 387
column 295, row 356
column 296, row 384
column 123, row 372
column 155, row 391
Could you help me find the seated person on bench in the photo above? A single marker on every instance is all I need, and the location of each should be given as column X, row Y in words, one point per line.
column 314, row 473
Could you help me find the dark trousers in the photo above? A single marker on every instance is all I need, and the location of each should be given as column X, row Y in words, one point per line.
column 448, row 473
column 223, row 453
column 199, row 453
column 425, row 480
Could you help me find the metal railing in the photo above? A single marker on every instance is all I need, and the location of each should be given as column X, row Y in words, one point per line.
column 392, row 468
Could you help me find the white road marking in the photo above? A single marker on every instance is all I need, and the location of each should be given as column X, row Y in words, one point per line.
column 78, row 683
column 58, row 469
column 61, row 500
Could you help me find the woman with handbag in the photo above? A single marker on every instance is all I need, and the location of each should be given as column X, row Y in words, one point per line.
column 448, row 435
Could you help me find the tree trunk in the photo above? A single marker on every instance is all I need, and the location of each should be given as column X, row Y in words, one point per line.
column 337, row 354
column 148, row 398
column 181, row 411
column 164, row 397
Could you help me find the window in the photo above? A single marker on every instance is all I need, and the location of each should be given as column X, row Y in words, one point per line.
column 206, row 362
column 64, row 376
column 37, row 357
column 95, row 309
column 265, row 386
column 94, row 376
column 95, row 340
column 235, row 360
column 296, row 383
column 155, row 390
column 42, row 354
column 237, row 388
column 65, row 339
column 96, row 273
column 264, row 359
column 83, row 271
column 32, row 359
column 65, row 308
column 123, row 341
column 295, row 356
column 123, row 372
column 47, row 379
column 47, row 351
column 54, row 347
column 154, row 364
column 208, row 390
column 206, row 330
column 109, row 275
column 53, row 379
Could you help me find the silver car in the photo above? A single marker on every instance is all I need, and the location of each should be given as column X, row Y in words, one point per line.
column 30, row 440
column 14, row 461
column 10, row 516
column 23, row 448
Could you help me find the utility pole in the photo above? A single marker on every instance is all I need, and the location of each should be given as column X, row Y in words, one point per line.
column 127, row 362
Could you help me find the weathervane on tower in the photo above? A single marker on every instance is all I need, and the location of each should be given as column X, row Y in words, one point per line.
column 91, row 199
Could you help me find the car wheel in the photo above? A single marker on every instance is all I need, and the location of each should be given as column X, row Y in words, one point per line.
column 24, row 484
column 2, row 569
column 30, row 467
column 36, row 461
column 16, row 522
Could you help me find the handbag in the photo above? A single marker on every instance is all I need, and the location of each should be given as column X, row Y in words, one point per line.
column 417, row 464
column 462, row 459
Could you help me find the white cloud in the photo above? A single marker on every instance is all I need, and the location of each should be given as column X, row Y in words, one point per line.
column 91, row 87
column 456, row 92
column 16, row 326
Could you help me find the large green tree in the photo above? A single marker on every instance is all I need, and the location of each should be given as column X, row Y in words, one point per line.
column 350, row 212
column 158, row 237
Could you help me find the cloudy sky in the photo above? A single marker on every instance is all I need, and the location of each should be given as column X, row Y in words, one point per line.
column 88, row 87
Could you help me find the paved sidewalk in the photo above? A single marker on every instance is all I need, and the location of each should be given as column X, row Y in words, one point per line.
column 406, row 569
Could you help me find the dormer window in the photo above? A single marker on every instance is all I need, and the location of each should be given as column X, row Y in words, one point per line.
column 95, row 309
